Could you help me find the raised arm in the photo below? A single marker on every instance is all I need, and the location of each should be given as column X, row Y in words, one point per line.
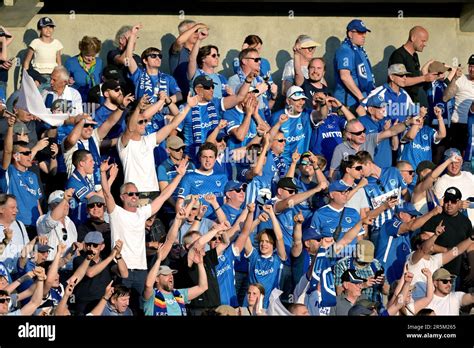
column 429, row 181
column 73, row 137
column 151, row 277
column 413, row 225
column 99, row 309
column 132, row 124
column 212, row 200
column 257, row 169
column 37, row 297
column 246, row 229
column 193, row 63
column 109, row 199
column 297, row 246
column 299, row 77
column 241, row 131
column 8, row 142
column 299, row 197
column 172, row 235
column 425, row 301
column 295, row 157
column 132, row 39
column 114, row 117
column 232, row 100
column 441, row 134
column 280, row 245
column 338, row 105
column 197, row 290
column 450, row 91
column 184, row 36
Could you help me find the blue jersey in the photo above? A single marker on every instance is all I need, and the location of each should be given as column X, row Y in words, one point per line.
column 297, row 131
column 379, row 190
column 399, row 105
column 419, row 149
column 311, row 204
column 353, row 58
column 25, row 187
column 226, row 277
column 153, row 84
column 231, row 213
column 82, row 187
column 327, row 134
column 166, row 171
column 220, row 82
column 102, row 113
column 197, row 183
column 383, row 151
column 434, row 93
column 326, row 220
column 392, row 249
column 264, row 270
column 234, row 118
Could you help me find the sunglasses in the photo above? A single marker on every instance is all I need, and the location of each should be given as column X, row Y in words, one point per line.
column 5, row 299
column 87, row 125
column 131, row 194
column 281, row 140
column 359, row 168
column 358, row 133
column 410, row 172
column 176, row 246
column 155, row 55
column 118, row 89
column 93, row 205
column 305, row 163
column 310, row 49
column 446, row 281
column 207, row 88
column 25, row 153
column 144, row 121
column 256, row 60
column 215, row 55
column 221, row 139
column 214, row 239
column 178, row 150
column 452, row 201
column 290, row 191
column 64, row 234
column 95, row 245
column 379, row 184
column 238, row 190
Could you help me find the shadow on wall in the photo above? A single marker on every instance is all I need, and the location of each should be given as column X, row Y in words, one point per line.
column 166, row 41
column 28, row 36
column 107, row 46
column 228, row 63
column 281, row 58
column 380, row 69
column 332, row 44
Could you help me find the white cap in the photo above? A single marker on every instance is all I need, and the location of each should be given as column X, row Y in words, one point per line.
column 56, row 197
column 295, row 93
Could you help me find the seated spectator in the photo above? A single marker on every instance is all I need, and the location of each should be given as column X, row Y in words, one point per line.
column 255, row 295
column 114, row 302
column 352, row 291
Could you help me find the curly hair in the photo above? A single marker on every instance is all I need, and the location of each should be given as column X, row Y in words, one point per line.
column 90, row 45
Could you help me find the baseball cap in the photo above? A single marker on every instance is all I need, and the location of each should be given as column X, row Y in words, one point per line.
column 94, row 237
column 398, row 69
column 287, row 183
column 19, row 127
column 365, row 251
column 111, row 73
column 296, row 93
column 109, row 84
column 45, row 22
column 471, row 60
column 56, row 197
column 95, row 199
column 174, row 142
column 165, row 270
column 442, row 273
column 451, row 151
column 350, row 275
column 368, row 304
column 204, row 81
column 357, row 24
column 409, row 208
column 338, row 185
column 437, row 67
column 376, row 101
column 43, row 248
column 359, row 310
column 232, row 185
column 452, row 193
column 424, row 165
column 2, row 33
column 306, row 41
column 312, row 233
column 3, row 272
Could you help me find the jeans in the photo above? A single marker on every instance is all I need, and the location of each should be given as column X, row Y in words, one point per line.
column 136, row 283
column 241, row 286
column 3, row 92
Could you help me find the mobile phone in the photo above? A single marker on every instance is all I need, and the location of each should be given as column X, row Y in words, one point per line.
column 393, row 197
column 379, row 273
column 471, row 199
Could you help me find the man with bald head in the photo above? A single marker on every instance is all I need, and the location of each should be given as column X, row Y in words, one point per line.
column 408, row 56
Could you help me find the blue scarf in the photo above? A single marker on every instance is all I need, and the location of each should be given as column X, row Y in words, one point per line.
column 323, row 274
column 431, row 199
column 148, row 87
column 95, row 155
column 365, row 84
column 160, row 307
column 196, row 121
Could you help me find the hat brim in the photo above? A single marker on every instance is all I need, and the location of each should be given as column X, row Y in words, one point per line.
column 309, row 44
column 173, row 271
column 298, row 97
column 402, row 73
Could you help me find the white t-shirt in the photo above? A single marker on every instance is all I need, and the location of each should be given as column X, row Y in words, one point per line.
column 71, row 95
column 289, row 71
column 463, row 99
column 465, row 184
column 139, row 162
column 129, row 227
column 447, row 305
column 419, row 280
column 68, row 154
column 44, row 60
column 12, row 251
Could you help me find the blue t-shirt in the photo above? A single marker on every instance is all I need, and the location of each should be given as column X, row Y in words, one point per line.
column 82, row 187
column 434, row 93
column 153, row 85
column 197, row 183
column 166, row 171
column 383, row 151
column 264, row 270
column 234, row 118
column 297, row 131
column 172, row 307
column 82, row 81
column 25, row 187
column 326, row 135
column 419, row 149
column 226, row 277
column 220, row 82
column 101, row 115
column 392, row 249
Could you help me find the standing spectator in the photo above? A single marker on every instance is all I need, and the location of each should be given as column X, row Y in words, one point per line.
column 314, row 83
column 44, row 51
column 408, row 56
column 5, row 63
column 354, row 77
column 181, row 49
column 351, row 170
column 85, row 69
column 445, row 301
column 303, row 51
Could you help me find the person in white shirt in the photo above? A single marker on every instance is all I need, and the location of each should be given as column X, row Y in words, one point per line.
column 59, row 89
column 446, row 302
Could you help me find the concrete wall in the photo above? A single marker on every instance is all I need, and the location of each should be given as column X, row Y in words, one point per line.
column 447, row 43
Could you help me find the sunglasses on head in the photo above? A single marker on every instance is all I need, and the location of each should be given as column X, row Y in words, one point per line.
column 144, row 121
column 446, row 281
column 5, row 299
column 155, row 55
column 358, row 133
column 359, row 168
column 25, row 153
column 131, row 194
column 93, row 205
column 95, row 245
column 215, row 55
column 256, row 60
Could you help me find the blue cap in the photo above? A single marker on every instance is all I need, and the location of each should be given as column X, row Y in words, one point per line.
column 3, row 272
column 359, row 310
column 338, row 185
column 452, row 151
column 312, row 233
column 376, row 101
column 408, row 208
column 232, row 185
column 94, row 237
column 43, row 248
column 357, row 24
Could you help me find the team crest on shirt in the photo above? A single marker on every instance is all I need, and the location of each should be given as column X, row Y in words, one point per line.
column 345, row 156
column 380, row 97
column 218, row 183
column 299, row 126
column 348, row 220
column 425, row 136
column 393, row 182
column 362, row 70
column 30, row 179
column 330, row 126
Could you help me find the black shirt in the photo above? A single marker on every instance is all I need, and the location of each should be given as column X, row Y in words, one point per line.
column 100, row 226
column 125, row 81
column 310, row 91
column 457, row 229
column 412, row 64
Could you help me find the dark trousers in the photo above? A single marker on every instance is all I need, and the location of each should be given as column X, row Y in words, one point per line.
column 241, row 286
column 136, row 283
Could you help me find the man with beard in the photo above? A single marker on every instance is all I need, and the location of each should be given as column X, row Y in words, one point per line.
column 314, row 83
